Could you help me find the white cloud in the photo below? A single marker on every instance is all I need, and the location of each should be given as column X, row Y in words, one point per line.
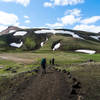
column 62, row 2
column 75, row 12
column 8, row 18
column 27, row 17
column 90, row 28
column 69, row 20
column 27, row 21
column 57, row 25
column 91, row 20
column 71, row 17
column 25, row 27
column 2, row 27
column 22, row 2
column 47, row 4
column 74, row 17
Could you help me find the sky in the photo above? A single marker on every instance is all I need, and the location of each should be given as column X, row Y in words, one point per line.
column 70, row 14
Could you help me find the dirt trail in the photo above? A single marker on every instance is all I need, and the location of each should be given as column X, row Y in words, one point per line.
column 51, row 86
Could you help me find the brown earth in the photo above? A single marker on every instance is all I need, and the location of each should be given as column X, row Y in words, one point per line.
column 6, row 31
column 51, row 86
column 17, row 59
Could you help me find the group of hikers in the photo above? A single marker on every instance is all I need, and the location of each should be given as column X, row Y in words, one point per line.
column 43, row 64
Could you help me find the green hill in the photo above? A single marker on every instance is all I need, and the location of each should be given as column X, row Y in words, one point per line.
column 70, row 44
column 32, row 40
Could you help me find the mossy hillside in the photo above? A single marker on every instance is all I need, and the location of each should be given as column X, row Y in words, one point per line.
column 70, row 44
column 31, row 41
column 12, row 68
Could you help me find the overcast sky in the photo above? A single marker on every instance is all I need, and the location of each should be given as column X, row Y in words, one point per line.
column 70, row 14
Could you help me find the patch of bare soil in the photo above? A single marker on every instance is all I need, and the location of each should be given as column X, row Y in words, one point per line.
column 16, row 59
column 51, row 86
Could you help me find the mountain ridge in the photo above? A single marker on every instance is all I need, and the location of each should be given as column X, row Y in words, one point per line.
column 32, row 38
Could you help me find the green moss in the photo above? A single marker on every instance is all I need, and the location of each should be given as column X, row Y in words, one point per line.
column 29, row 43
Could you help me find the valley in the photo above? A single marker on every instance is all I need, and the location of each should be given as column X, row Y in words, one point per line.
column 20, row 69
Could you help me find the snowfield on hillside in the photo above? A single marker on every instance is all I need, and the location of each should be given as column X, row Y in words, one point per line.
column 17, row 45
column 42, row 43
column 11, row 31
column 58, row 31
column 95, row 37
column 86, row 51
column 46, row 39
column 20, row 33
column 76, row 36
column 45, row 31
column 56, row 46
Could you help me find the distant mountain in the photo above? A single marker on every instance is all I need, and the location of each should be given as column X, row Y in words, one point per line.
column 15, row 38
column 10, row 28
column 43, row 39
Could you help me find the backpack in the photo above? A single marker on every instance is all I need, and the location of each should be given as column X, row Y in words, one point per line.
column 43, row 61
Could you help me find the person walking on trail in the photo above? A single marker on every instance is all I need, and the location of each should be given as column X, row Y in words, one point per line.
column 53, row 61
column 50, row 62
column 43, row 65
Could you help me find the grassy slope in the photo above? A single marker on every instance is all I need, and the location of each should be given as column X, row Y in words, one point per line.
column 61, row 57
column 32, row 41
column 89, row 75
column 70, row 44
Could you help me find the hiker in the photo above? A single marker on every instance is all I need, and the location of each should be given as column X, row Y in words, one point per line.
column 43, row 65
column 53, row 61
column 50, row 62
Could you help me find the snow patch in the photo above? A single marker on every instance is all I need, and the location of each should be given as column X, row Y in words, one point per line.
column 95, row 37
column 17, row 45
column 77, row 36
column 42, row 43
column 56, row 46
column 72, row 34
column 45, row 31
column 86, row 51
column 59, row 31
column 20, row 33
column 11, row 31
column 46, row 39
